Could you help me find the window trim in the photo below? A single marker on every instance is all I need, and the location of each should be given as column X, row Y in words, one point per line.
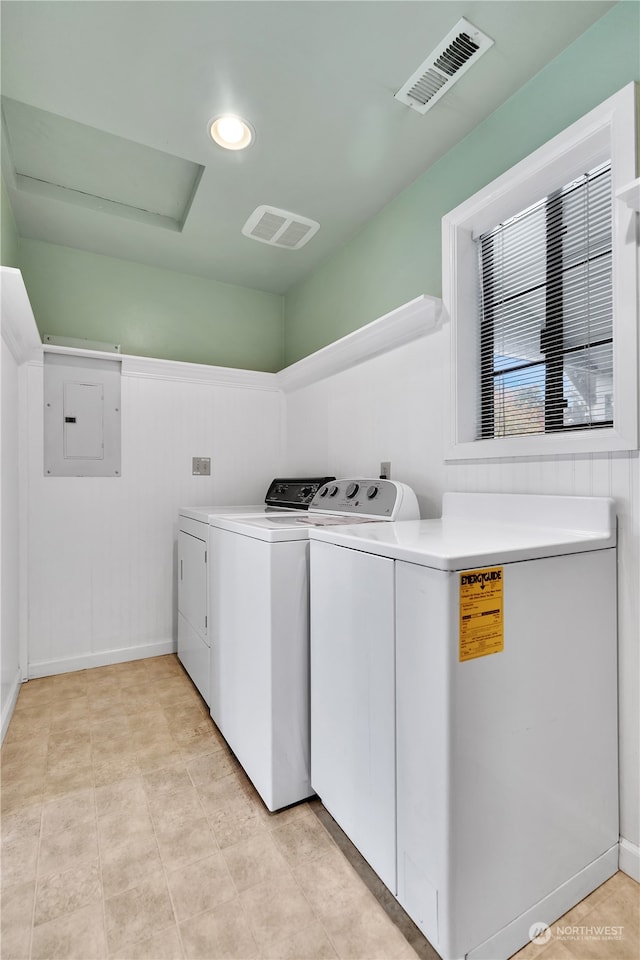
column 607, row 131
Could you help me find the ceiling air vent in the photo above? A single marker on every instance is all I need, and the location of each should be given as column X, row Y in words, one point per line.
column 458, row 51
column 280, row 228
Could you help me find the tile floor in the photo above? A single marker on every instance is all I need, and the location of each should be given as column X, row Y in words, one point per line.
column 129, row 831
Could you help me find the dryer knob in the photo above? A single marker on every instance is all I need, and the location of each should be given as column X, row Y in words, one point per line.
column 372, row 492
column 352, row 489
column 333, row 490
column 324, row 491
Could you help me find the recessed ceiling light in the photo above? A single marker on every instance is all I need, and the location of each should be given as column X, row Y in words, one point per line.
column 231, row 132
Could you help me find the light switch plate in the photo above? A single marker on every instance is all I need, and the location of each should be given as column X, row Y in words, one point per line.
column 201, row 466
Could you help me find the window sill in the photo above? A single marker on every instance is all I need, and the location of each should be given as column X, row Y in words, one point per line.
column 539, row 445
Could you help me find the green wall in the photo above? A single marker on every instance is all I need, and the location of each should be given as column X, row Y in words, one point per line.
column 151, row 312
column 8, row 234
column 397, row 254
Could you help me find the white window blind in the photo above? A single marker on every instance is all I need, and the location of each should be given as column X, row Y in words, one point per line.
column 546, row 331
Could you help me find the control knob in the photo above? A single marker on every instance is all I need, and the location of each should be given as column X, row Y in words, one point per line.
column 372, row 492
column 333, row 490
column 351, row 490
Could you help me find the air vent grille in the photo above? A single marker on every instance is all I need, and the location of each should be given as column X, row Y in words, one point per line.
column 280, row 228
column 458, row 51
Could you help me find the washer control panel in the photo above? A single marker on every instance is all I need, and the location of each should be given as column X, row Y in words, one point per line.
column 296, row 492
column 358, row 496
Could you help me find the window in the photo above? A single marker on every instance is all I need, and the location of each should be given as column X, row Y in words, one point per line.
column 539, row 282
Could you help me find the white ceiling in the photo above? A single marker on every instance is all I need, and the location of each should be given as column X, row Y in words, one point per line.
column 316, row 78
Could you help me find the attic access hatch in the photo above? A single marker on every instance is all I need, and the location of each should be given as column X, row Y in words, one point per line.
column 280, row 228
column 459, row 50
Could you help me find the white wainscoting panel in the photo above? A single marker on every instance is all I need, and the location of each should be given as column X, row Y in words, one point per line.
column 101, row 551
column 387, row 408
column 10, row 673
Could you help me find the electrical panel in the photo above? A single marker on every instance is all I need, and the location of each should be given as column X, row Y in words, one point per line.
column 81, row 416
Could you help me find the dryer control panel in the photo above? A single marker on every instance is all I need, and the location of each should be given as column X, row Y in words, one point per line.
column 294, row 492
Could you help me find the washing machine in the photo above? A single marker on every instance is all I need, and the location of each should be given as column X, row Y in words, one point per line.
column 259, row 605
column 194, row 652
column 464, row 709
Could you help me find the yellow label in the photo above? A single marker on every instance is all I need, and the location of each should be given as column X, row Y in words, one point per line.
column 481, row 613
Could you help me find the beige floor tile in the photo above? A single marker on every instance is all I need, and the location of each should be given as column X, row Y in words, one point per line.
column 301, row 839
column 276, row 910
column 64, row 739
column 331, row 885
column 16, row 914
column 67, row 849
column 214, row 766
column 184, row 842
column 63, row 780
column 164, row 945
column 74, row 936
column 202, row 745
column 70, row 755
column 114, row 769
column 113, row 728
column 367, row 934
column 310, row 943
column 200, row 886
column 141, row 702
column 126, row 865
column 126, row 797
column 300, row 811
column 216, row 793
column 17, row 771
column 19, row 863
column 116, row 828
column 19, row 848
column 176, row 809
column 65, row 813
column 138, row 913
column 254, row 861
column 234, row 822
column 65, row 892
column 22, row 793
column 189, row 715
column 73, row 711
column 35, row 693
column 106, row 704
column 555, row 951
column 219, row 934
column 162, row 783
column 157, row 755
column 24, row 753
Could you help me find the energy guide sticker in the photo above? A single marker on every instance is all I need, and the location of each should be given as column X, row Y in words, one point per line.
column 481, row 613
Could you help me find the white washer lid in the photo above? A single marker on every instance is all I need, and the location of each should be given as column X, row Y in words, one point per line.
column 204, row 513
column 278, row 528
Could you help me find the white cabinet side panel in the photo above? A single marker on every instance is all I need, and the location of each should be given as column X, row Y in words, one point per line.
column 353, row 698
column 423, row 636
column 534, row 776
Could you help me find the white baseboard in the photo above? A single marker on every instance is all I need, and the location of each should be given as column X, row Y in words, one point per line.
column 10, row 702
column 629, row 859
column 47, row 668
